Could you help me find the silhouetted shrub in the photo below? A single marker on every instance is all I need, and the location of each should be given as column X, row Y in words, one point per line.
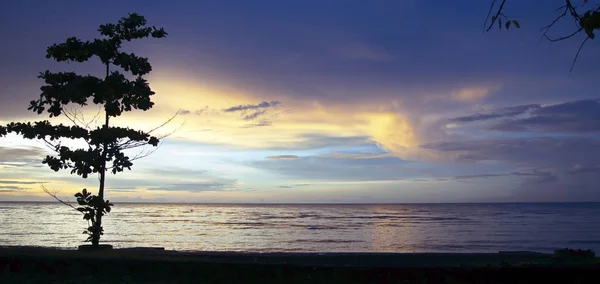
column 572, row 254
column 92, row 206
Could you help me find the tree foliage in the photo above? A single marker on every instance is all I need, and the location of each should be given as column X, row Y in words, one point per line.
column 115, row 94
column 585, row 16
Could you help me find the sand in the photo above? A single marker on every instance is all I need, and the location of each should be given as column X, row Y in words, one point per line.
column 47, row 265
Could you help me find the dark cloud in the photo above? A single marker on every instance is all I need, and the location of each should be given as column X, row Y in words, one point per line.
column 261, row 106
column 536, row 151
column 255, row 114
column 559, row 164
column 10, row 156
column 534, row 177
column 17, row 182
column 258, row 124
column 581, row 116
column 499, row 113
column 251, row 112
column 11, row 188
column 585, row 170
column 282, row 157
column 330, row 52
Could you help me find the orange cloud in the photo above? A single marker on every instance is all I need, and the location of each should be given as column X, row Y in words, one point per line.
column 473, row 93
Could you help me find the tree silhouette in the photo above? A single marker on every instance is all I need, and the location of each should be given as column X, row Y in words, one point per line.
column 585, row 22
column 114, row 94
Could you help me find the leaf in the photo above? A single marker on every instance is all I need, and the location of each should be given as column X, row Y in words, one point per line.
column 516, row 24
column 507, row 24
column 500, row 23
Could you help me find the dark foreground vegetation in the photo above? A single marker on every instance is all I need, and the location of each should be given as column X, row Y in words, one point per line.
column 37, row 265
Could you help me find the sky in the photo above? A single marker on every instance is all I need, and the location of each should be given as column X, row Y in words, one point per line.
column 378, row 101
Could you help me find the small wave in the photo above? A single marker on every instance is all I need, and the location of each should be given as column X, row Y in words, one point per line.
column 325, row 241
column 236, row 223
column 316, row 227
column 309, row 216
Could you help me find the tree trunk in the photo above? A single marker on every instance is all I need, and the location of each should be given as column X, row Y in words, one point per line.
column 98, row 225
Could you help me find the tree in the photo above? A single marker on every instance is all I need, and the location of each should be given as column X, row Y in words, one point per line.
column 114, row 95
column 585, row 22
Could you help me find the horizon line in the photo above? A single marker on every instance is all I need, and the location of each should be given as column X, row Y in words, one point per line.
column 320, row 203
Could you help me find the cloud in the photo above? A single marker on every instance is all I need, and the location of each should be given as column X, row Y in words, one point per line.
column 205, row 110
column 553, row 159
column 11, row 156
column 175, row 179
column 282, row 157
column 17, row 182
column 123, row 189
column 499, row 113
column 261, row 105
column 320, row 168
column 359, row 156
column 579, row 169
column 534, row 177
column 257, row 109
column 357, row 63
column 254, row 114
column 294, row 185
column 473, row 93
column 196, row 187
column 11, row 188
column 258, row 124
column 581, row 116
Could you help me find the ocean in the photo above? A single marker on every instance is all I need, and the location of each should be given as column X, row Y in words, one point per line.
column 541, row 227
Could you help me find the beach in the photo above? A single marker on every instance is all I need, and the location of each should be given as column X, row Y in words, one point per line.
column 155, row 265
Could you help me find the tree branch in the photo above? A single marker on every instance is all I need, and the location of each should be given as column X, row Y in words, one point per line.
column 47, row 191
column 164, row 123
column 577, row 54
column 498, row 14
column 581, row 20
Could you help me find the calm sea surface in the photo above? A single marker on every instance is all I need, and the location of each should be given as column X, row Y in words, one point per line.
column 315, row 228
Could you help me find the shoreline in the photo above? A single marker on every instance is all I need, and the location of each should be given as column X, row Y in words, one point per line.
column 321, row 259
